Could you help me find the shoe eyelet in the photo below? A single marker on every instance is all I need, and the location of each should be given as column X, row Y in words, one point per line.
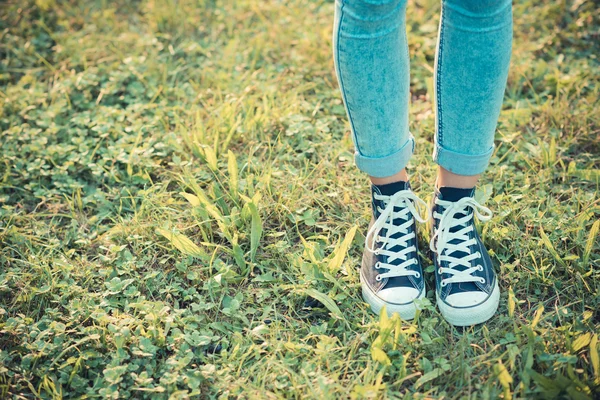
column 443, row 284
column 481, row 280
column 440, row 271
column 480, row 268
column 376, row 266
column 418, row 275
column 415, row 261
column 478, row 254
column 378, row 278
column 379, row 209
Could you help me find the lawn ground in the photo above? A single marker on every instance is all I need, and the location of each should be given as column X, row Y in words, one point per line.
column 180, row 216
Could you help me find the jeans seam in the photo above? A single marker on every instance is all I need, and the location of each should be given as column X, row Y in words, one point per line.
column 438, row 82
column 339, row 34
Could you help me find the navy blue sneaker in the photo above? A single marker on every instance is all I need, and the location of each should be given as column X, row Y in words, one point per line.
column 466, row 286
column 391, row 273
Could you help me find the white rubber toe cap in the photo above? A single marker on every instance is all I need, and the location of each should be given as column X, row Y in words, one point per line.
column 395, row 300
column 402, row 295
column 466, row 299
column 466, row 309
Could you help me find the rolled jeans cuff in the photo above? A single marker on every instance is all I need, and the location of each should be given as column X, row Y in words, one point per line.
column 381, row 167
column 462, row 164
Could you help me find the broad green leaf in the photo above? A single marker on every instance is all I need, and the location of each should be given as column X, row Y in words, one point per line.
column 503, row 375
column 581, row 341
column 208, row 205
column 325, row 300
column 194, row 338
column 113, row 375
column 590, row 242
column 182, row 243
column 379, row 356
column 116, row 285
column 552, row 151
column 574, row 394
column 384, row 320
column 545, row 382
column 238, row 254
column 211, row 157
column 550, row 248
column 431, row 375
column 511, row 302
column 255, row 230
column 340, row 251
column 397, row 321
column 529, row 358
column 193, row 200
column 537, row 316
column 232, row 168
column 528, row 361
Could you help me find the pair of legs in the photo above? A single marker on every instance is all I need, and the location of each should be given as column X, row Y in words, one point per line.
column 372, row 65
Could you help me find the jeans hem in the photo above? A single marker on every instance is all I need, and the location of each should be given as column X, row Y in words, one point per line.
column 381, row 167
column 460, row 163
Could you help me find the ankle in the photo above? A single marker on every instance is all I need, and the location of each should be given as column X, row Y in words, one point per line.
column 401, row 176
column 446, row 178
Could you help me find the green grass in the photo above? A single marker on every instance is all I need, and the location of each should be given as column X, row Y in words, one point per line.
column 180, row 215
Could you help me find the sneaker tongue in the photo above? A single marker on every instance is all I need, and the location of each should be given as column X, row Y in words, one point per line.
column 391, row 189
column 388, row 189
column 455, row 194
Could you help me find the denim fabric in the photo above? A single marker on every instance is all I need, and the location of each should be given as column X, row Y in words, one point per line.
column 372, row 65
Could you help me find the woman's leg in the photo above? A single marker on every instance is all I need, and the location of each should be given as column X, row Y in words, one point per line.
column 472, row 60
column 471, row 69
column 371, row 57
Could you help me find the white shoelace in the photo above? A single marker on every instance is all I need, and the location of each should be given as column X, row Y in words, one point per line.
column 444, row 249
column 406, row 200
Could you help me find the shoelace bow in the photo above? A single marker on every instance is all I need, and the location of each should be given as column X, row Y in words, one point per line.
column 406, row 200
column 444, row 248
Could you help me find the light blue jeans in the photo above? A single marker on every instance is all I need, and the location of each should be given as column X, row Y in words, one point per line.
column 471, row 68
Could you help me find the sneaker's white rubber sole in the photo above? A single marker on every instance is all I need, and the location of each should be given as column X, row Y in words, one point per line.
column 406, row 311
column 473, row 315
